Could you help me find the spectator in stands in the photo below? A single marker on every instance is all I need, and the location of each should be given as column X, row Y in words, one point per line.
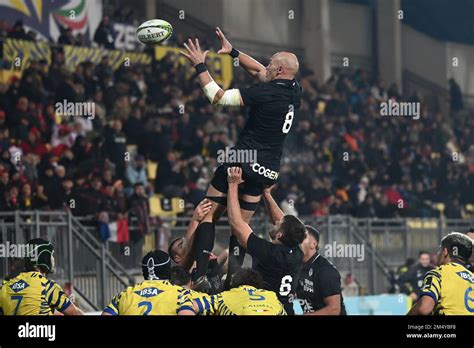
column 104, row 34
column 66, row 37
column 410, row 282
column 139, row 207
column 134, row 127
column 18, row 32
column 120, row 198
column 92, row 200
column 68, row 195
column 40, row 200
column 169, row 177
column 368, row 208
column 26, row 200
column 115, row 146
column 350, row 287
column 454, row 210
column 136, row 172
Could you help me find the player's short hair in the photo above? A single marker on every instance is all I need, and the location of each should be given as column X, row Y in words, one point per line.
column 293, row 231
column 459, row 246
column 312, row 231
column 179, row 276
column 156, row 265
column 247, row 276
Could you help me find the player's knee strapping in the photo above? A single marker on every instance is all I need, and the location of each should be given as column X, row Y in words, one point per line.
column 219, row 200
column 251, row 206
column 203, row 245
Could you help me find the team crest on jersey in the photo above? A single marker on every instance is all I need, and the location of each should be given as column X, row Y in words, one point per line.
column 19, row 286
column 310, row 272
column 466, row 276
column 148, row 292
column 308, row 286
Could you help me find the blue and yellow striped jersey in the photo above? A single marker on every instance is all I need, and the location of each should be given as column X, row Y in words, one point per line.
column 31, row 293
column 244, row 300
column 151, row 297
column 452, row 288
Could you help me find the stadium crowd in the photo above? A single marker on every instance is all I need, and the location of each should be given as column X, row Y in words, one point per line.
column 341, row 156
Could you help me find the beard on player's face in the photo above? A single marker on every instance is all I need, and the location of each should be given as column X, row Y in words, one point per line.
column 276, row 232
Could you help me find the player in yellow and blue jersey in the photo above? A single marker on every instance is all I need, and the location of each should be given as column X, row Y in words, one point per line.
column 154, row 296
column 448, row 289
column 31, row 292
column 245, row 297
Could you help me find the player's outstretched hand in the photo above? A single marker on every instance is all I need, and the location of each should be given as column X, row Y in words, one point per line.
column 234, row 175
column 226, row 46
column 202, row 209
column 195, row 55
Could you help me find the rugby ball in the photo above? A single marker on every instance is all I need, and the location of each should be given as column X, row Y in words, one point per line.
column 154, row 31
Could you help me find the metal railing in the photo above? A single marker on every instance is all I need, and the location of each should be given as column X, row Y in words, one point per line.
column 384, row 244
column 81, row 259
column 367, row 248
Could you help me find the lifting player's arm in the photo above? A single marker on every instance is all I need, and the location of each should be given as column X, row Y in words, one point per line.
column 424, row 306
column 429, row 296
column 213, row 92
column 199, row 213
column 239, row 228
column 330, row 291
column 185, row 303
column 253, row 67
column 57, row 299
column 332, row 306
column 276, row 214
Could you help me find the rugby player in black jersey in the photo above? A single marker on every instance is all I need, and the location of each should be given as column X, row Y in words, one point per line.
column 319, row 283
column 272, row 104
column 279, row 261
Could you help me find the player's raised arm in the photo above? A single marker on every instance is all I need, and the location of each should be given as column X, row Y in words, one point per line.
column 238, row 226
column 253, row 67
column 276, row 214
column 213, row 92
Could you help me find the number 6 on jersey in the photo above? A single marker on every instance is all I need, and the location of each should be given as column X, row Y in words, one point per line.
column 285, row 287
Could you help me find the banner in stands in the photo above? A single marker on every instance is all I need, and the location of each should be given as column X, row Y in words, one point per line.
column 74, row 55
column 126, row 38
column 220, row 66
column 47, row 17
column 19, row 53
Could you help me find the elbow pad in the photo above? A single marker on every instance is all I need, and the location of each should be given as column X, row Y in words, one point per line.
column 231, row 97
column 210, row 90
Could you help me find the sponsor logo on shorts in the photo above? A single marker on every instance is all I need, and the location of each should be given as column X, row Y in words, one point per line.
column 261, row 170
